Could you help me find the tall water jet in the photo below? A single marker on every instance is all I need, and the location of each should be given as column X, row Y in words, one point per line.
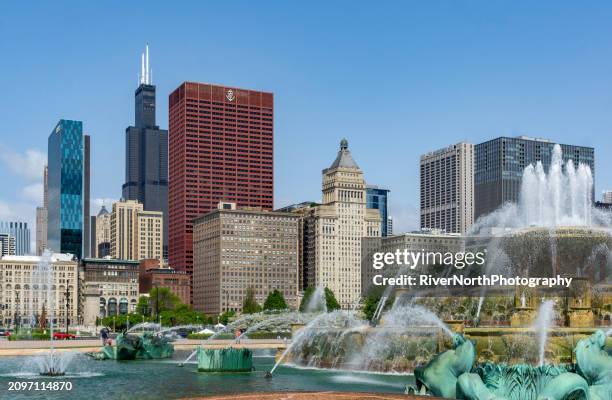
column 542, row 325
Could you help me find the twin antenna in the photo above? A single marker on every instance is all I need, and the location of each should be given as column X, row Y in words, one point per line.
column 146, row 75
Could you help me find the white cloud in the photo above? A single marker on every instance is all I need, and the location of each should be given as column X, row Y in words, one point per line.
column 29, row 165
column 33, row 193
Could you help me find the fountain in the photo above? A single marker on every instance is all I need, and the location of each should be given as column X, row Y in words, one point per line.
column 129, row 346
column 224, row 360
column 453, row 374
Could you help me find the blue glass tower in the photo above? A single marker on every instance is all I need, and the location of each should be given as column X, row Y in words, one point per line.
column 377, row 198
column 66, row 182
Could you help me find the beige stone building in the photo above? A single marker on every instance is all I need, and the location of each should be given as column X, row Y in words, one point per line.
column 103, row 233
column 107, row 287
column 234, row 249
column 135, row 234
column 29, row 283
column 447, row 188
column 333, row 230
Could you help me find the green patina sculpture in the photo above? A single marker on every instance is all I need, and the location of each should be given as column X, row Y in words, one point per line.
column 450, row 374
column 224, row 360
column 135, row 347
column 439, row 377
column 595, row 365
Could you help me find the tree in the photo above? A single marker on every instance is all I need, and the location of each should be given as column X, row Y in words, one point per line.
column 275, row 301
column 330, row 300
column 164, row 299
column 143, row 307
column 250, row 306
column 42, row 322
column 224, row 318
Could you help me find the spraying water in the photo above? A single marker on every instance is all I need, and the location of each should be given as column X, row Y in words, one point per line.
column 542, row 325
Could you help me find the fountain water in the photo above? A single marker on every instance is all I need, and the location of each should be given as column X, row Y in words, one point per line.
column 317, row 301
column 52, row 363
column 542, row 325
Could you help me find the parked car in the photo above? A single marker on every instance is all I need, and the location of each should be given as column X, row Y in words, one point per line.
column 5, row 332
column 63, row 336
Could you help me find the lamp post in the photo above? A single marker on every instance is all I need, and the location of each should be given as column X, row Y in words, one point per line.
column 67, row 294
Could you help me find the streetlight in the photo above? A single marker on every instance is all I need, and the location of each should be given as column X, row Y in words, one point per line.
column 67, row 294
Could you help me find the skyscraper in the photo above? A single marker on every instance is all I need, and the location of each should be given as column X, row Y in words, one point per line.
column 146, row 152
column 103, row 233
column 499, row 165
column 21, row 234
column 447, row 188
column 67, row 183
column 136, row 234
column 377, row 198
column 333, row 230
column 221, row 142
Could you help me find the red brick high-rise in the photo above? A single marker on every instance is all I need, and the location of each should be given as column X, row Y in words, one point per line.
column 220, row 149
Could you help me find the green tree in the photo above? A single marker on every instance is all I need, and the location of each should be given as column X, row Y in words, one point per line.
column 143, row 307
column 250, row 306
column 164, row 299
column 224, row 318
column 275, row 301
column 330, row 300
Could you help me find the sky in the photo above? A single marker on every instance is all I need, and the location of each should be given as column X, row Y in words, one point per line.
column 397, row 79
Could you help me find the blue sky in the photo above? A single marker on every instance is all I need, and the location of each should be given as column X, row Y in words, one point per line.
column 397, row 79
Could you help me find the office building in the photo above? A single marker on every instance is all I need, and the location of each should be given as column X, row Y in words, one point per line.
column 389, row 226
column 221, row 149
column 146, row 152
column 606, row 197
column 107, row 288
column 499, row 165
column 7, row 245
column 103, row 233
column 333, row 230
column 152, row 275
column 41, row 218
column 377, row 198
column 240, row 248
column 447, row 188
column 21, row 291
column 135, row 234
column 20, row 232
column 68, row 187
column 424, row 241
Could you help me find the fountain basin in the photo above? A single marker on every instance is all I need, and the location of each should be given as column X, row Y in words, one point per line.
column 228, row 359
column 135, row 347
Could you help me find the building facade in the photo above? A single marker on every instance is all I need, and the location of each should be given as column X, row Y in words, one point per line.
column 108, row 287
column 146, row 152
column 41, row 218
column 135, row 234
column 7, row 245
column 333, row 230
column 152, row 275
column 221, row 149
column 427, row 241
column 240, row 248
column 67, row 188
column 26, row 293
column 447, row 188
column 103, row 233
column 606, row 197
column 377, row 198
column 389, row 226
column 21, row 234
column 499, row 165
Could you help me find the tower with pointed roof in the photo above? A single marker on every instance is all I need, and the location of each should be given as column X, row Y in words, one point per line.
column 334, row 229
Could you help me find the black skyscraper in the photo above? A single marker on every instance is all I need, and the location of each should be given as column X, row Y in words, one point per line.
column 146, row 153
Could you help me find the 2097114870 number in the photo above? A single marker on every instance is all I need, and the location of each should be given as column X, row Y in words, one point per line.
column 39, row 386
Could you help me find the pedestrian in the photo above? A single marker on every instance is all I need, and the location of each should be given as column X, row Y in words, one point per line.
column 104, row 335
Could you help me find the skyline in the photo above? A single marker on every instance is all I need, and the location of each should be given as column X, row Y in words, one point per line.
column 419, row 78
